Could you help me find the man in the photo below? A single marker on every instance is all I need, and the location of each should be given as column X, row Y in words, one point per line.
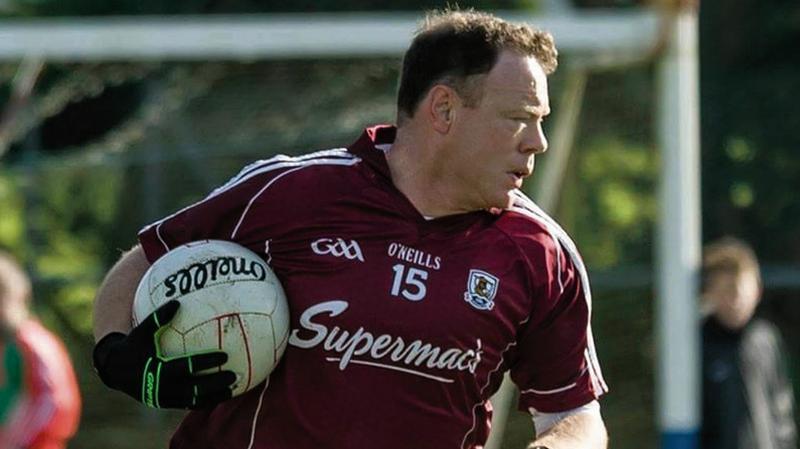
column 747, row 398
column 39, row 399
column 417, row 235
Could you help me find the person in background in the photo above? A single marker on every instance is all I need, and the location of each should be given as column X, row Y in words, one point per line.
column 39, row 398
column 747, row 398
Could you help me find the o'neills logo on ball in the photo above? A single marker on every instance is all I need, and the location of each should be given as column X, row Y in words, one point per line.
column 198, row 275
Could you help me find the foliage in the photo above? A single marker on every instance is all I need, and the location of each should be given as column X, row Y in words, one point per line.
column 614, row 212
column 750, row 120
column 69, row 214
column 608, row 202
column 12, row 221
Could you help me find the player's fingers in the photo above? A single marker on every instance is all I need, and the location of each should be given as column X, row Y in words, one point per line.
column 166, row 313
column 163, row 315
column 213, row 383
column 186, row 366
column 200, row 362
column 210, row 399
column 176, row 399
column 188, row 393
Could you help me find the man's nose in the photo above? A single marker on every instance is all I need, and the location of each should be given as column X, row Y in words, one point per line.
column 534, row 140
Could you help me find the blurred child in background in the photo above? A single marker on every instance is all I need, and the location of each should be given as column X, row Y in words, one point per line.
column 39, row 398
column 747, row 397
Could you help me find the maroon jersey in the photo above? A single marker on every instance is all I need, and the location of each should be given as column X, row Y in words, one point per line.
column 401, row 326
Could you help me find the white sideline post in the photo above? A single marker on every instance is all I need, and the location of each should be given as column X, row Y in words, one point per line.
column 678, row 373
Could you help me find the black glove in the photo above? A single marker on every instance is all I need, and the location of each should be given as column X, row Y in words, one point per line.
column 134, row 364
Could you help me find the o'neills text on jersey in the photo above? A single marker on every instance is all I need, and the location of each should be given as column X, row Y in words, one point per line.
column 415, row 256
column 381, row 351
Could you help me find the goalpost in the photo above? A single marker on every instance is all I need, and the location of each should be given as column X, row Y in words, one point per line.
column 601, row 39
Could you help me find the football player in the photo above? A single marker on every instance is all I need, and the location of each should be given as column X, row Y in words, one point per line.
column 417, row 272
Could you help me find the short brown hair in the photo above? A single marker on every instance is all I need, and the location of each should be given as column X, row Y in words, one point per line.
column 451, row 46
column 728, row 255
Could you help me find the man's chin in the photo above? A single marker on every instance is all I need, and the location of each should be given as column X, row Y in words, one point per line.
column 497, row 207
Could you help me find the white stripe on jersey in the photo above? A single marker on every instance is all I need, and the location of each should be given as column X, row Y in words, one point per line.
column 337, row 156
column 246, row 172
column 530, row 209
column 553, row 391
column 256, row 167
column 298, row 166
column 594, row 366
column 488, row 381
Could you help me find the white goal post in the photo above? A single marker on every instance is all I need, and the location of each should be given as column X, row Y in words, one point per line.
column 317, row 35
column 606, row 38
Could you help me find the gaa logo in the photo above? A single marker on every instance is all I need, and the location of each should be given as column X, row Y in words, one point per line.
column 338, row 248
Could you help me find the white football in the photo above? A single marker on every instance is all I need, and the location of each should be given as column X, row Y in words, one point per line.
column 230, row 301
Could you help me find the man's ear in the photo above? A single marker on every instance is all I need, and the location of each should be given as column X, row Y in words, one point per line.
column 440, row 105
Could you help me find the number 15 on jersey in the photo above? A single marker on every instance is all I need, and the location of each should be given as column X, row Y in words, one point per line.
column 409, row 282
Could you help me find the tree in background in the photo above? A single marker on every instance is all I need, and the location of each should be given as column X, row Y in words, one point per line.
column 750, row 121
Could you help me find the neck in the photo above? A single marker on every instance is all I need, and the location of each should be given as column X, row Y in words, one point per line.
column 719, row 327
column 415, row 169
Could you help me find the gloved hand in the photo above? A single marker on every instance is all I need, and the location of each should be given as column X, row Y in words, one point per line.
column 134, row 364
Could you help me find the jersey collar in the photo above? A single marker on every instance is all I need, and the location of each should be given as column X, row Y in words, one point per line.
column 366, row 147
column 371, row 148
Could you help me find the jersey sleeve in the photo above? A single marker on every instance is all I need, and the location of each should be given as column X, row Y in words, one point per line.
column 221, row 214
column 557, row 368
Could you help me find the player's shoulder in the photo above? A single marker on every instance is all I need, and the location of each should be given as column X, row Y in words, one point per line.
column 530, row 227
column 542, row 241
column 298, row 167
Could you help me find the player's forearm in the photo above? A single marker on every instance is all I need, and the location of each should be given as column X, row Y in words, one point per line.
column 112, row 307
column 579, row 431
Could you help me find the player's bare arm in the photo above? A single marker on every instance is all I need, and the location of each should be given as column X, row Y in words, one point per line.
column 112, row 307
column 578, row 431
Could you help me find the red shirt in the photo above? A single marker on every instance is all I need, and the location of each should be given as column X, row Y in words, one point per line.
column 402, row 327
column 48, row 410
